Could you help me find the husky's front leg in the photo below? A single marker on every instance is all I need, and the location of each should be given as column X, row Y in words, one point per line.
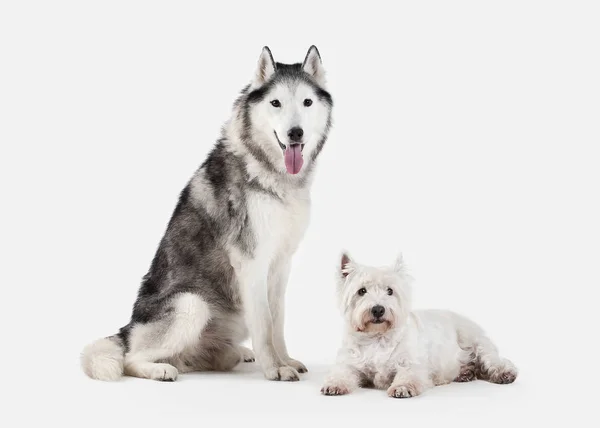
column 260, row 324
column 278, row 278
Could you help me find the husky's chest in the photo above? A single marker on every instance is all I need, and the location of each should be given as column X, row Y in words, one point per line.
column 278, row 224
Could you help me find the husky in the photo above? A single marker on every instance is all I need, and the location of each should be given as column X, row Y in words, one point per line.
column 389, row 346
column 221, row 269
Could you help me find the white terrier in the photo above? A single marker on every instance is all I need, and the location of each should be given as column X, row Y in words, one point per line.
column 389, row 346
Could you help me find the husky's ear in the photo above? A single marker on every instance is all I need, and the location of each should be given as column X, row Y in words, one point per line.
column 314, row 66
column 265, row 69
column 346, row 266
column 399, row 266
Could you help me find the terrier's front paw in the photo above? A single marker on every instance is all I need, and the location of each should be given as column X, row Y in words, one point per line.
column 403, row 391
column 335, row 389
column 300, row 368
column 285, row 373
column 439, row 381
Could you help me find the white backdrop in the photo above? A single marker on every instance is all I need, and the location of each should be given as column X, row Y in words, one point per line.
column 466, row 136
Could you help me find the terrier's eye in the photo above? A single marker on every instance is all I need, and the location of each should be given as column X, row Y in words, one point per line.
column 362, row 291
column 275, row 103
column 307, row 102
column 390, row 291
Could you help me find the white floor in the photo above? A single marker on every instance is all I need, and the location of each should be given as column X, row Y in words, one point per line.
column 245, row 395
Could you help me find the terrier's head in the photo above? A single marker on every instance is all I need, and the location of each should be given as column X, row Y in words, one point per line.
column 374, row 300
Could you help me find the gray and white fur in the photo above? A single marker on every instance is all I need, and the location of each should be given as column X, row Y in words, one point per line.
column 221, row 269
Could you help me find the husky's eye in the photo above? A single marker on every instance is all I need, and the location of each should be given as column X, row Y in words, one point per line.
column 390, row 291
column 362, row 291
column 275, row 103
column 307, row 102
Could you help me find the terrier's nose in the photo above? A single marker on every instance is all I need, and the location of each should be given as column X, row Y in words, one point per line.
column 378, row 311
column 296, row 134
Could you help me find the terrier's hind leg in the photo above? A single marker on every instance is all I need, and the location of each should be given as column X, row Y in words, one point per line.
column 492, row 367
column 152, row 343
column 467, row 373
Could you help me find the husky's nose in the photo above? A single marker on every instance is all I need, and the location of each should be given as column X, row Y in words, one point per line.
column 377, row 311
column 296, row 134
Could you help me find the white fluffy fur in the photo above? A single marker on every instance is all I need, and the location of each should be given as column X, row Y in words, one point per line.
column 314, row 66
column 162, row 349
column 103, row 360
column 278, row 227
column 292, row 113
column 410, row 351
column 265, row 68
column 190, row 315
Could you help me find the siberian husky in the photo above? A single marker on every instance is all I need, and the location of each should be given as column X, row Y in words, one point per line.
column 221, row 269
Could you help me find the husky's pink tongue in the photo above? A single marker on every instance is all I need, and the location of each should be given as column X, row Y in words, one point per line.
column 293, row 158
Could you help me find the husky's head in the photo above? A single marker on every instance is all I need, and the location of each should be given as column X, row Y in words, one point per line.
column 373, row 300
column 287, row 112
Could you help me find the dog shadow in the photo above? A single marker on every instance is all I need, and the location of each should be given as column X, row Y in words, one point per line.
column 253, row 372
column 317, row 372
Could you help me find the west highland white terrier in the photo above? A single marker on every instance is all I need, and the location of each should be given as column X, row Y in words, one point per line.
column 389, row 346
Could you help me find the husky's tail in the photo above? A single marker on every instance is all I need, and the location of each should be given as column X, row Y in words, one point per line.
column 104, row 358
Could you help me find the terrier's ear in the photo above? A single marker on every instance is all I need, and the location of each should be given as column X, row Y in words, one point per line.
column 314, row 66
column 345, row 265
column 265, row 69
column 399, row 266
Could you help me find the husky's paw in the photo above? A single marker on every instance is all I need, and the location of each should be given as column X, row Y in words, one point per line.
column 335, row 389
column 164, row 372
column 403, row 391
column 285, row 373
column 300, row 368
column 247, row 355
